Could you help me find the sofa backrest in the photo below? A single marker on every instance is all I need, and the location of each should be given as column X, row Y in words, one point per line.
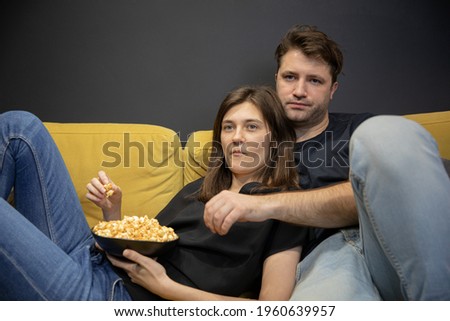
column 146, row 161
column 198, row 145
column 149, row 163
column 438, row 124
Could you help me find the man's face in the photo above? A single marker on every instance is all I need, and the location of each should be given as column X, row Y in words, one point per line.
column 305, row 88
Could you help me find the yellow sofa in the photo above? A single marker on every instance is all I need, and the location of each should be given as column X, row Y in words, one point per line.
column 149, row 162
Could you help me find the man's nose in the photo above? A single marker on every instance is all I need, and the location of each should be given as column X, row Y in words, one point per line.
column 300, row 89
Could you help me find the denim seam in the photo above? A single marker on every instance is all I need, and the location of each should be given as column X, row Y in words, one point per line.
column 298, row 272
column 354, row 246
column 113, row 289
column 30, row 280
column 382, row 242
column 43, row 188
column 22, row 272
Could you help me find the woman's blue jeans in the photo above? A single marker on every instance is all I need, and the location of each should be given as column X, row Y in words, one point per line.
column 402, row 248
column 46, row 248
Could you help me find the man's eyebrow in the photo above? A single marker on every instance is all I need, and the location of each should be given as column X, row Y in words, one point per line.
column 315, row 76
column 287, row 71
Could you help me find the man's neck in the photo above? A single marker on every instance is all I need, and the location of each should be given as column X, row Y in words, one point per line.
column 304, row 133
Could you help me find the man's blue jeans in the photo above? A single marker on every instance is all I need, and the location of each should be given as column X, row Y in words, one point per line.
column 402, row 193
column 46, row 248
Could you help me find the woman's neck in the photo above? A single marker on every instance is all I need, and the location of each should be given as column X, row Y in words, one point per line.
column 239, row 181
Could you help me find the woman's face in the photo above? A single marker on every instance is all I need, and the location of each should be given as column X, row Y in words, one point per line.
column 245, row 139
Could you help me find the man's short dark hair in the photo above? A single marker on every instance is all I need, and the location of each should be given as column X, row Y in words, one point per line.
column 314, row 44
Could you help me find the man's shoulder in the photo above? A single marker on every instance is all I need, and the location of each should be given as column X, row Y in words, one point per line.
column 349, row 117
column 347, row 120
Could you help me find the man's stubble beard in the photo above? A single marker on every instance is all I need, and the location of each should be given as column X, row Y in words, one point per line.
column 306, row 118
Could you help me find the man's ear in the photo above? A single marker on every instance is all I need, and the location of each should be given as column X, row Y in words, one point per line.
column 334, row 87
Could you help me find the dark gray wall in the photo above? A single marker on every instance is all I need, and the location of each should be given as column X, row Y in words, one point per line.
column 170, row 62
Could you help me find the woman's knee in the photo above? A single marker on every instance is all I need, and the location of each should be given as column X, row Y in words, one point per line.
column 17, row 121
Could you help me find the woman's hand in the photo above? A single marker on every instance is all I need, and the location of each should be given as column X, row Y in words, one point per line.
column 111, row 206
column 151, row 275
column 145, row 271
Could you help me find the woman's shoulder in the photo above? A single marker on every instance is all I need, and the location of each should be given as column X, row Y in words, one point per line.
column 193, row 186
column 184, row 198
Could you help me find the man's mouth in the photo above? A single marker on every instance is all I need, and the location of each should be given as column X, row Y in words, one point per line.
column 298, row 105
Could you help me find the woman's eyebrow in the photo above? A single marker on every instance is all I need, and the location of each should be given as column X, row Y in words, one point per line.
column 245, row 120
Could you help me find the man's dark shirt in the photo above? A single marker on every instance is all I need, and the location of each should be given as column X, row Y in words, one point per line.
column 324, row 160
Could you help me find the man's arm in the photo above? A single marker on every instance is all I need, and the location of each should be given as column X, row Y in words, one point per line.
column 327, row 207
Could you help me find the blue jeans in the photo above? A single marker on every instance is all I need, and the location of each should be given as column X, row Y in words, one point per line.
column 402, row 193
column 46, row 248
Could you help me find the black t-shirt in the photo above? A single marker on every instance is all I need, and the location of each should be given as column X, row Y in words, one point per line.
column 227, row 265
column 324, row 160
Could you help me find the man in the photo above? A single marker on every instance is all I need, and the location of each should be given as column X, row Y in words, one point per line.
column 398, row 188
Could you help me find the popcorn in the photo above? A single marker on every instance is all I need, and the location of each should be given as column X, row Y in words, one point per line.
column 109, row 190
column 136, row 228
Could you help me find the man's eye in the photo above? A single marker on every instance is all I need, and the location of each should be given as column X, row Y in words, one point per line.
column 289, row 77
column 316, row 81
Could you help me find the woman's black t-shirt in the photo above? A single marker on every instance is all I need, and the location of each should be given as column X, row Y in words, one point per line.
column 227, row 265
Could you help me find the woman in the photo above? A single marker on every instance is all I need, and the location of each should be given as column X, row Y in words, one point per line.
column 48, row 251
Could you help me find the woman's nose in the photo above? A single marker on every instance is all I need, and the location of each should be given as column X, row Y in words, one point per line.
column 238, row 136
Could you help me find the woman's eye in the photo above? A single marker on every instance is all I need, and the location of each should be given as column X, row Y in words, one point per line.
column 227, row 127
column 252, row 126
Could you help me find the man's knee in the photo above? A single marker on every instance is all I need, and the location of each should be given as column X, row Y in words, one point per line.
column 385, row 138
column 388, row 129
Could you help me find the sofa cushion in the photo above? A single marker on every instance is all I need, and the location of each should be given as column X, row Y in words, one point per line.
column 144, row 160
column 196, row 155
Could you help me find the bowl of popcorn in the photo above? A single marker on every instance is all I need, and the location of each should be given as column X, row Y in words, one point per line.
column 140, row 233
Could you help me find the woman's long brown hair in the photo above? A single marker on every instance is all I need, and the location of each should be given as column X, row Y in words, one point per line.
column 279, row 170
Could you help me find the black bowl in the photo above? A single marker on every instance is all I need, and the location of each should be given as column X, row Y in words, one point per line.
column 116, row 246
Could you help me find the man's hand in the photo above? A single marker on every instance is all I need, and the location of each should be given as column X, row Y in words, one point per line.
column 328, row 207
column 227, row 208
